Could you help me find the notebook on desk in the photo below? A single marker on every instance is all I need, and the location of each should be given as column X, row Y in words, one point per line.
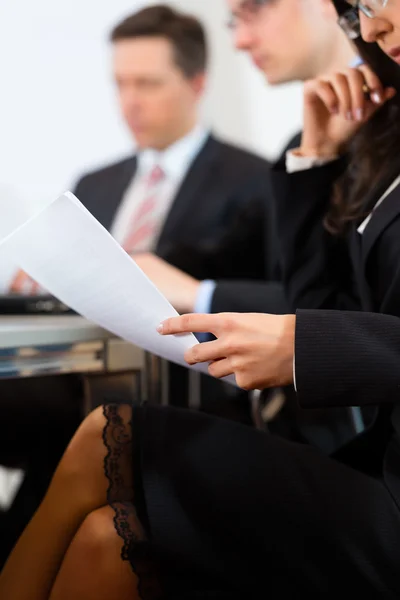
column 15, row 304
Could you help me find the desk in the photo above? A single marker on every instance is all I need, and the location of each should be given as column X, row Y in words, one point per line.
column 38, row 346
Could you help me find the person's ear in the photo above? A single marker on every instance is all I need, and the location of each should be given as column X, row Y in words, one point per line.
column 198, row 83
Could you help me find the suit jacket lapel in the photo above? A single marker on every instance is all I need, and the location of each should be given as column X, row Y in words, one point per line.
column 383, row 215
column 200, row 170
column 362, row 285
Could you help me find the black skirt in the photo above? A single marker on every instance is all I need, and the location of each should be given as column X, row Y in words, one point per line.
column 230, row 512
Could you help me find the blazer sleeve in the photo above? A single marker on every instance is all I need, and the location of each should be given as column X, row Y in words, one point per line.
column 345, row 358
column 249, row 296
column 316, row 266
column 260, row 290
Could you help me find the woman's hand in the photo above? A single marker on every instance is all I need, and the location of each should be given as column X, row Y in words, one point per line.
column 257, row 348
column 335, row 108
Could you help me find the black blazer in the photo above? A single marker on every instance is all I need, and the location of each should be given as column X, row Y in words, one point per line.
column 220, row 226
column 266, row 296
column 357, row 361
column 216, row 221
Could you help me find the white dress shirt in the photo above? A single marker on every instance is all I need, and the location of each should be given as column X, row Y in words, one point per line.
column 175, row 162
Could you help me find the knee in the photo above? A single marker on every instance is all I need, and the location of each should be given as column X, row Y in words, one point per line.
column 80, row 475
column 93, row 567
column 105, row 425
column 81, row 472
column 106, row 535
column 87, row 438
column 97, row 537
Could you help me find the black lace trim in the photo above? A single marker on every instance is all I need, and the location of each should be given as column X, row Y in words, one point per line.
column 118, row 468
column 117, row 439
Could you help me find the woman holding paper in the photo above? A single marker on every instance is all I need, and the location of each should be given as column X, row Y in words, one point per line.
column 212, row 509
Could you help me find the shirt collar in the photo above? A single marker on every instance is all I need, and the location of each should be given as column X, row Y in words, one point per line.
column 176, row 159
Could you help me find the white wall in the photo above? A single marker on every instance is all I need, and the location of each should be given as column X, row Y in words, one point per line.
column 58, row 113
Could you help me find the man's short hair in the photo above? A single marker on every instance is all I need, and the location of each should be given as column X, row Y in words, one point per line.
column 185, row 33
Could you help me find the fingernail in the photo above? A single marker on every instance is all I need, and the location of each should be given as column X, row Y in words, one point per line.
column 160, row 328
column 359, row 114
column 349, row 115
column 376, row 97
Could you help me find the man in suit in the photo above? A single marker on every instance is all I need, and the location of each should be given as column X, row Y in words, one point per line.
column 287, row 41
column 208, row 254
column 194, row 201
column 212, row 235
column 214, row 250
column 209, row 197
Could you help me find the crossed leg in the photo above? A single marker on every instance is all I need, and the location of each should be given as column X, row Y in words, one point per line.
column 70, row 548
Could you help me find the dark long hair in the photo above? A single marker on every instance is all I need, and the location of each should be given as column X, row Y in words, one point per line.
column 374, row 152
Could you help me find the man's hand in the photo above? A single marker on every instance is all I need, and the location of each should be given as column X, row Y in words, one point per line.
column 179, row 288
column 257, row 348
column 24, row 285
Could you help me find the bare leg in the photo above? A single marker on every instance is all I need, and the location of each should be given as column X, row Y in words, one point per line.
column 78, row 488
column 92, row 568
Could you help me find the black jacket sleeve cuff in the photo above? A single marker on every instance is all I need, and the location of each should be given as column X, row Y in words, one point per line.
column 346, row 358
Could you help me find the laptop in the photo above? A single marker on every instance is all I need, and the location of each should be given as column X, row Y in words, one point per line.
column 16, row 304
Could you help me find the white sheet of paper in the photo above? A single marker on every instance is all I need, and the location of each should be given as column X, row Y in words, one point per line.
column 66, row 250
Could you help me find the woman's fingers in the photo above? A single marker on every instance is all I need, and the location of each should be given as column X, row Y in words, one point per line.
column 322, row 91
column 350, row 93
column 359, row 99
column 205, row 352
column 373, row 87
column 338, row 97
column 190, row 323
column 341, row 88
column 220, row 368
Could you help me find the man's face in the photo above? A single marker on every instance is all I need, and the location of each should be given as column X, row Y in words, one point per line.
column 285, row 38
column 157, row 101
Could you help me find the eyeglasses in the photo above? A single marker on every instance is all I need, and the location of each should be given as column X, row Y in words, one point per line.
column 371, row 8
column 246, row 12
column 350, row 20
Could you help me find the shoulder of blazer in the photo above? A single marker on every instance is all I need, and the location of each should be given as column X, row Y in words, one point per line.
column 238, row 161
column 105, row 174
column 294, row 142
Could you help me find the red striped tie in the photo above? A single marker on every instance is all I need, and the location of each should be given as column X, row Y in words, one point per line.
column 144, row 223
